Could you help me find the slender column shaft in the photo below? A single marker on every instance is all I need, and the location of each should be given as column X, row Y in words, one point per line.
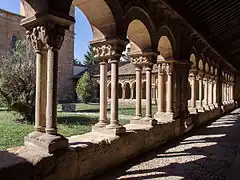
column 169, row 107
column 103, row 94
column 138, row 91
column 132, row 92
column 193, row 92
column 160, row 92
column 206, row 92
column 148, row 91
column 52, row 77
column 114, row 94
column 214, row 92
column 38, row 102
column 123, row 92
column 210, row 92
column 200, row 92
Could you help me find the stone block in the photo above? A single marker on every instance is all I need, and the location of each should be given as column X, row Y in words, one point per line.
column 45, row 142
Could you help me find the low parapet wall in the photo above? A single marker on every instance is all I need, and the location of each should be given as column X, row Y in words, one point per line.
column 92, row 153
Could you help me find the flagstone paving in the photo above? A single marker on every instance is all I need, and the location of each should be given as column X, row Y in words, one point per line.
column 211, row 152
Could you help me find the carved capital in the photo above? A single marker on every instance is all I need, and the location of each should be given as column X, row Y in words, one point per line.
column 169, row 68
column 146, row 59
column 109, row 50
column 46, row 36
column 162, row 68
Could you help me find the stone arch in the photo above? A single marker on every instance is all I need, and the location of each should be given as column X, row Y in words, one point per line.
column 193, row 60
column 207, row 68
column 200, row 65
column 216, row 72
column 140, row 30
column 166, row 43
column 212, row 70
column 102, row 16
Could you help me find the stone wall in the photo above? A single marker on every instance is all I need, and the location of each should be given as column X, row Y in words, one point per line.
column 88, row 154
column 10, row 25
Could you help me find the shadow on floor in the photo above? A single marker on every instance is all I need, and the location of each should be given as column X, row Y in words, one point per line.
column 207, row 153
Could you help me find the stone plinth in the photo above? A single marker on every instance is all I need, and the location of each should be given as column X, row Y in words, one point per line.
column 162, row 117
column 110, row 131
column 144, row 121
column 45, row 142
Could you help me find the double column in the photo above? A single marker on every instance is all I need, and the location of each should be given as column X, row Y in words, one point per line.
column 192, row 76
column 206, row 91
column 146, row 61
column 46, row 40
column 109, row 52
column 165, row 91
column 200, row 80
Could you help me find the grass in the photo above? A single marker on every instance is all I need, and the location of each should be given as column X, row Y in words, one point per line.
column 12, row 132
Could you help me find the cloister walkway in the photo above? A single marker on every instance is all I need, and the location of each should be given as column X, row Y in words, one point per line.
column 211, row 152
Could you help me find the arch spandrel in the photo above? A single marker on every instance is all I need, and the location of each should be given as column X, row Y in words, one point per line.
column 140, row 29
column 193, row 60
column 139, row 36
column 206, row 68
column 200, row 65
column 165, row 48
column 166, row 42
column 99, row 16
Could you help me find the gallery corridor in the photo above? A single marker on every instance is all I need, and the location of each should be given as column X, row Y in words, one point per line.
column 211, row 152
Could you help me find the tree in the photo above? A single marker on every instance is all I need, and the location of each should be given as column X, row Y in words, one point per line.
column 83, row 88
column 89, row 58
column 17, row 80
column 76, row 61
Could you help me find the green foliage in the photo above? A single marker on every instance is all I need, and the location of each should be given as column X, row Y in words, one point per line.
column 89, row 58
column 76, row 61
column 17, row 81
column 83, row 88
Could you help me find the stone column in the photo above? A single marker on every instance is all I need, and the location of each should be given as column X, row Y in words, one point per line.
column 161, row 97
column 215, row 92
column 200, row 80
column 211, row 82
column 138, row 92
column 40, row 97
column 132, row 92
column 193, row 109
column 206, row 93
column 147, row 60
column 123, row 92
column 169, row 106
column 148, row 69
column 103, row 93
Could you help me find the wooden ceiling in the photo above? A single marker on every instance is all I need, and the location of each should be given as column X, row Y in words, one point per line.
column 217, row 21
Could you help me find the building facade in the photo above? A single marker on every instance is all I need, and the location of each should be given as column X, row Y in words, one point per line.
column 11, row 31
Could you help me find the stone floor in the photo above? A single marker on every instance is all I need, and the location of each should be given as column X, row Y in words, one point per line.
column 211, row 152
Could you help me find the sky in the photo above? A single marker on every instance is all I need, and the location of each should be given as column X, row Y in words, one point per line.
column 83, row 31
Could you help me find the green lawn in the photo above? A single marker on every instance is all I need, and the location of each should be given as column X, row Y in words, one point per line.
column 13, row 132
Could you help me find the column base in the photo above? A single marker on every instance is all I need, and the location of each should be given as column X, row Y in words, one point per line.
column 101, row 124
column 144, row 121
column 45, row 142
column 110, row 130
column 212, row 107
column 136, row 118
column 207, row 108
column 201, row 109
column 164, row 117
column 193, row 110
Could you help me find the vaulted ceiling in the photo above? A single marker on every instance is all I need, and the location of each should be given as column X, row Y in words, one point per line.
column 217, row 21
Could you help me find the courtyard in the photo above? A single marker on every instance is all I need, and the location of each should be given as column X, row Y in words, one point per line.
column 12, row 131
